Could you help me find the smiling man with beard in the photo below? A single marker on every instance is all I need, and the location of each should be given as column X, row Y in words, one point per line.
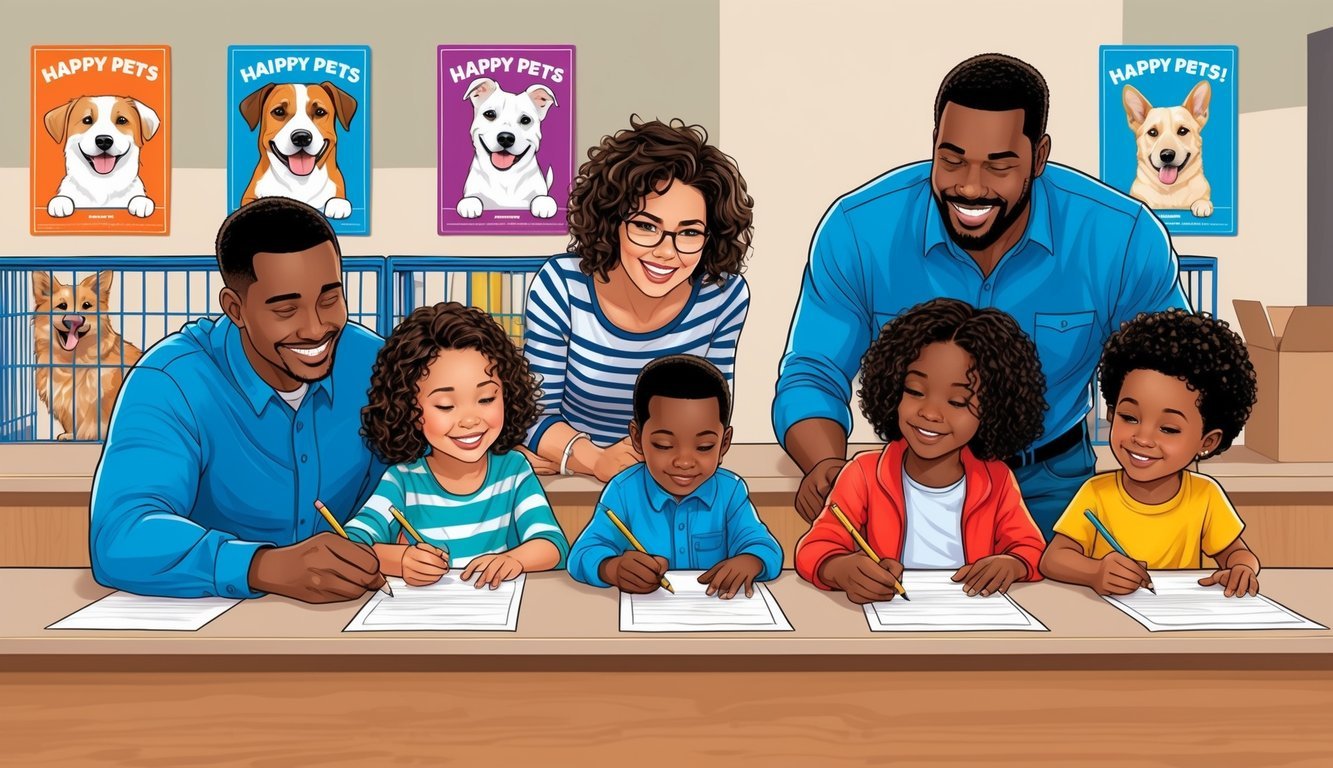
column 989, row 221
column 227, row 431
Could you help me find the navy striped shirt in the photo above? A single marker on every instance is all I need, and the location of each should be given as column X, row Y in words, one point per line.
column 588, row 365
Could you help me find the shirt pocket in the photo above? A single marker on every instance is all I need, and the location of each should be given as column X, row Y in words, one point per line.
column 1062, row 339
column 708, row 545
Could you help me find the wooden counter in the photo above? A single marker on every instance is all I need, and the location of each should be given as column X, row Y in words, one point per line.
column 276, row 682
column 1287, row 507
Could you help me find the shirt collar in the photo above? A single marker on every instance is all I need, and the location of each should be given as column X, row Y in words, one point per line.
column 936, row 235
column 257, row 391
column 658, row 496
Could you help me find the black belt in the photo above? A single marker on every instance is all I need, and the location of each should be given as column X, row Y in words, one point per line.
column 1054, row 448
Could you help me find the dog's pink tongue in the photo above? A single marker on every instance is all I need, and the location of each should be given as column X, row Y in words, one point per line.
column 1168, row 174
column 70, row 341
column 301, row 163
column 502, row 160
column 104, row 164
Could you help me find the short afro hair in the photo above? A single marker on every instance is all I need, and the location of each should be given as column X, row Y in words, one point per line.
column 391, row 421
column 1196, row 348
column 687, row 377
column 998, row 83
column 1005, row 377
column 267, row 225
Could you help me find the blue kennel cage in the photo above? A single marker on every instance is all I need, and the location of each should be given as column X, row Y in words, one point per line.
column 496, row 284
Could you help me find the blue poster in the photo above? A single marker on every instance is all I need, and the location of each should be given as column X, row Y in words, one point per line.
column 299, row 126
column 1160, row 107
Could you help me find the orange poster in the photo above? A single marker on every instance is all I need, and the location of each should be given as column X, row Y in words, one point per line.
column 101, row 140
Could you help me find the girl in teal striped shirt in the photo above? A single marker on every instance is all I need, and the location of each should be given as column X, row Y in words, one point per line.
column 450, row 398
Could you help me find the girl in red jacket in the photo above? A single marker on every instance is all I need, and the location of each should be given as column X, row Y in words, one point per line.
column 953, row 390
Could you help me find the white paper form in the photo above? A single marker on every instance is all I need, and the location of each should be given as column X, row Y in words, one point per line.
column 1181, row 604
column 123, row 610
column 449, row 604
column 691, row 609
column 939, row 604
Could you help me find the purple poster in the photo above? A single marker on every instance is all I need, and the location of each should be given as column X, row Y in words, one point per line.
column 506, row 139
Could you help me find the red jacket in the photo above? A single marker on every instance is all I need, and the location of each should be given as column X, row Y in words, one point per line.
column 995, row 519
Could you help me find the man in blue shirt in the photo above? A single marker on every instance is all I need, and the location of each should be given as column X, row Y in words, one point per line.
column 226, row 432
column 688, row 512
column 989, row 221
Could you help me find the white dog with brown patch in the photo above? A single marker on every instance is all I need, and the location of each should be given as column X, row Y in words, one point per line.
column 102, row 137
column 298, row 144
column 506, row 134
column 1169, row 142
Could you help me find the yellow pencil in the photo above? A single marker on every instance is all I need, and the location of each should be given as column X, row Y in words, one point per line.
column 333, row 522
column 635, row 542
column 398, row 515
column 865, row 545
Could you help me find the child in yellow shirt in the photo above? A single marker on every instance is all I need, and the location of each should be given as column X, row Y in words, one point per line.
column 1178, row 388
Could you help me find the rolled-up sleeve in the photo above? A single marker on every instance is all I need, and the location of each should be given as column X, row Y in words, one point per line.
column 141, row 538
column 830, row 331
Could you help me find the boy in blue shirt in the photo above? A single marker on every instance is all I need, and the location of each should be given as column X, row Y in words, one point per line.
column 686, row 511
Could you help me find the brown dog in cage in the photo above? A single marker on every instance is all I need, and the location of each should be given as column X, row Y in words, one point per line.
column 78, row 377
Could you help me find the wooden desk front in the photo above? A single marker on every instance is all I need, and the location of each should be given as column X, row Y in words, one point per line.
column 276, row 682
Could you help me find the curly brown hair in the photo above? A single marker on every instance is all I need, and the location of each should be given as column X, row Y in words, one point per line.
column 648, row 157
column 390, row 423
column 1196, row 348
column 1005, row 375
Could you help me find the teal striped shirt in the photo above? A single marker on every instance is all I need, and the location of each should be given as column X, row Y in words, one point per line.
column 509, row 509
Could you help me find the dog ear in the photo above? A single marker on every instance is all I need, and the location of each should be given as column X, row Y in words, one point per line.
column 478, row 90
column 41, row 286
column 253, row 105
column 57, row 120
column 542, row 97
column 1136, row 107
column 149, row 122
column 1197, row 101
column 100, row 282
column 344, row 106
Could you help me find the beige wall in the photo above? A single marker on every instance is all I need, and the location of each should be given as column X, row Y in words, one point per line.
column 760, row 74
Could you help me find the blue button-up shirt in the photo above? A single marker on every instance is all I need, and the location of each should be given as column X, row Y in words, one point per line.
column 1090, row 259
column 204, row 463
column 715, row 522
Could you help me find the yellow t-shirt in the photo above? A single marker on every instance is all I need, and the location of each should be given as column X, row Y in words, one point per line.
column 1198, row 520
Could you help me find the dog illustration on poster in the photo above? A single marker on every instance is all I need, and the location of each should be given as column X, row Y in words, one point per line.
column 1169, row 150
column 298, row 144
column 102, row 137
column 506, row 138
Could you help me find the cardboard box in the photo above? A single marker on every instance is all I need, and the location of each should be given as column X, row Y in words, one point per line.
column 1292, row 352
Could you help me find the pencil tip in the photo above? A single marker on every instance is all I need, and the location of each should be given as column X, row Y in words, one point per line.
column 905, row 597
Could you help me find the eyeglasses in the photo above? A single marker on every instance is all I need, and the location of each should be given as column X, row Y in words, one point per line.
column 646, row 234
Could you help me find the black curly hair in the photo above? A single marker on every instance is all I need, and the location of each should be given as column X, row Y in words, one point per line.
column 688, row 377
column 1196, row 348
column 390, row 423
column 625, row 168
column 997, row 83
column 1005, row 375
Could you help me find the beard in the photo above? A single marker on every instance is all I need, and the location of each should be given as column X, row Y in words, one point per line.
column 1004, row 219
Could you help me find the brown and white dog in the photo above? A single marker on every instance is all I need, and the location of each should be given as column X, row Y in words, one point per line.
column 78, row 377
column 102, row 137
column 1169, row 143
column 298, row 144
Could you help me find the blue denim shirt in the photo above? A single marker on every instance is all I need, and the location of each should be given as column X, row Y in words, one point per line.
column 715, row 522
column 204, row 463
column 1090, row 259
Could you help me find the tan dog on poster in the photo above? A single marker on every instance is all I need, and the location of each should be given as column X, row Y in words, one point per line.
column 1169, row 143
column 78, row 378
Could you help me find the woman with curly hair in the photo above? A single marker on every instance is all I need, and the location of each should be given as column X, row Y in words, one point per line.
column 1179, row 387
column 660, row 225
column 952, row 389
column 450, row 397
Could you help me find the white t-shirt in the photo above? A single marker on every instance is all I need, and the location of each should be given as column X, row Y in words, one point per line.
column 295, row 397
column 934, row 524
